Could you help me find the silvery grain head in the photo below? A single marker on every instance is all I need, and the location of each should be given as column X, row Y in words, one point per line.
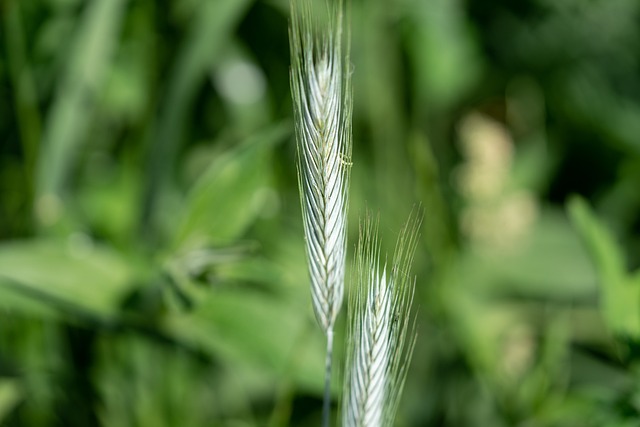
column 381, row 333
column 321, row 89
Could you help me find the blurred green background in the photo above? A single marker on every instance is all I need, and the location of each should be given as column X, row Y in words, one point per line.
column 152, row 269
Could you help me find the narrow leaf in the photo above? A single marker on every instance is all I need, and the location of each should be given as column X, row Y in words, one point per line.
column 620, row 293
column 67, row 124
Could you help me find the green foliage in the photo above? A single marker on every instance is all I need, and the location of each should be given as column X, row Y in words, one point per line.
column 210, row 215
column 152, row 258
column 66, row 128
column 620, row 291
column 10, row 396
column 73, row 275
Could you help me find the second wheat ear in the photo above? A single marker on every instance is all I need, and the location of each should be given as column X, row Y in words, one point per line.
column 321, row 91
column 381, row 333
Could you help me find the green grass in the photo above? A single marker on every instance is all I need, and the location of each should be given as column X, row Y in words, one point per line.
column 152, row 267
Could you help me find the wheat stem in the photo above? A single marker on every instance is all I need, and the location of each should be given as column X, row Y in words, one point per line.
column 326, row 401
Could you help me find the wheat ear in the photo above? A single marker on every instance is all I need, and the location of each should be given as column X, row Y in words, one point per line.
column 321, row 92
column 381, row 334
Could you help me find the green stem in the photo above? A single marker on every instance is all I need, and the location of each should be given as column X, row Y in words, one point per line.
column 326, row 404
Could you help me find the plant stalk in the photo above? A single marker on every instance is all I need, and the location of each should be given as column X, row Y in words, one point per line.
column 326, row 403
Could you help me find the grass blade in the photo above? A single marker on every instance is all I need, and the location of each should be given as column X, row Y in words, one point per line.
column 67, row 124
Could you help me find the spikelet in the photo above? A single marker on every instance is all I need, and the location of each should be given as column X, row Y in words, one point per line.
column 381, row 335
column 321, row 92
column 321, row 89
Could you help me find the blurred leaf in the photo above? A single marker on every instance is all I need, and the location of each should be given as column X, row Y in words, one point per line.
column 213, row 24
column 548, row 262
column 601, row 244
column 12, row 301
column 620, row 294
column 442, row 75
column 231, row 193
column 74, row 276
column 10, row 396
column 68, row 121
column 491, row 294
column 255, row 329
